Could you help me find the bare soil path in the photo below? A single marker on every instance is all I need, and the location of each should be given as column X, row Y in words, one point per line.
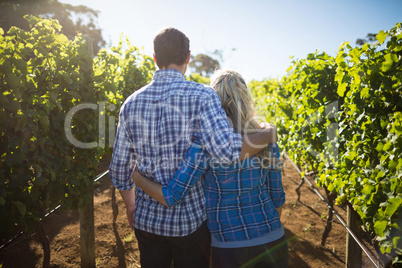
column 116, row 245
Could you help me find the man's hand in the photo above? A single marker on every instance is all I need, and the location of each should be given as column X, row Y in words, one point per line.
column 129, row 200
column 254, row 143
column 270, row 127
column 130, row 214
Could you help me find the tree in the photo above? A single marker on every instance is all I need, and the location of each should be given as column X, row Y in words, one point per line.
column 74, row 19
column 206, row 64
column 369, row 38
column 203, row 64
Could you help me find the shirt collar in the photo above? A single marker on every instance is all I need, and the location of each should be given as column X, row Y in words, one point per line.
column 168, row 73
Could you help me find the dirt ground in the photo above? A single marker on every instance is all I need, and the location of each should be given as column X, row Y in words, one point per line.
column 116, row 244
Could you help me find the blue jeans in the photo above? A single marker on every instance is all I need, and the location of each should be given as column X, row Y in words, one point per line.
column 158, row 251
column 274, row 254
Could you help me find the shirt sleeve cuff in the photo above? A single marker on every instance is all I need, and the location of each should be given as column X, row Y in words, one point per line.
column 125, row 187
column 169, row 199
column 279, row 203
column 121, row 185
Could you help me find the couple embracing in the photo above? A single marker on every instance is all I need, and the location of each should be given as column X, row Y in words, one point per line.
column 208, row 184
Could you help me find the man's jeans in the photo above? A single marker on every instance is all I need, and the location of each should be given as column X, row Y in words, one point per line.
column 158, row 251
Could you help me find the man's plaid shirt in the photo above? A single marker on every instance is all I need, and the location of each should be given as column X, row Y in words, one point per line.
column 157, row 125
column 241, row 197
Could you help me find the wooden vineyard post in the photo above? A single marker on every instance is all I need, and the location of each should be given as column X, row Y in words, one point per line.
column 87, row 234
column 87, row 224
column 45, row 244
column 353, row 250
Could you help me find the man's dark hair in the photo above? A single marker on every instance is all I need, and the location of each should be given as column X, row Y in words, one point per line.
column 171, row 46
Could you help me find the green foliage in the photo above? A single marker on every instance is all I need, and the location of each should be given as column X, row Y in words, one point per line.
column 296, row 105
column 199, row 79
column 122, row 70
column 119, row 72
column 46, row 77
column 73, row 18
column 342, row 117
column 371, row 81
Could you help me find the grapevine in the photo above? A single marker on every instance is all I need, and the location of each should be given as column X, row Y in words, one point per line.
column 342, row 118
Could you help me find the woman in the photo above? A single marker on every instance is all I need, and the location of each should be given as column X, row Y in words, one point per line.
column 243, row 198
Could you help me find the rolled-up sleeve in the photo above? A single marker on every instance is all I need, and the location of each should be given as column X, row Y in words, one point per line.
column 216, row 134
column 189, row 172
column 123, row 158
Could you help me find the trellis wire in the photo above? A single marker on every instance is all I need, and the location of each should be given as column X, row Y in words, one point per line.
column 333, row 211
column 50, row 212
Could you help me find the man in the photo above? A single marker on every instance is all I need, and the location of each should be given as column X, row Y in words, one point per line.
column 157, row 124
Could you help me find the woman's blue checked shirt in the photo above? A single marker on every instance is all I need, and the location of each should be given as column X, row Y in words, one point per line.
column 157, row 125
column 241, row 198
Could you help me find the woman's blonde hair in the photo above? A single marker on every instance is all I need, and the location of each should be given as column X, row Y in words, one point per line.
column 238, row 104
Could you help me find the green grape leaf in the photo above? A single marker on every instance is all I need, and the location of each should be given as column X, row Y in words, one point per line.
column 393, row 205
column 379, row 147
column 380, row 174
column 44, row 122
column 61, row 38
column 379, row 227
column 381, row 36
column 387, row 64
column 20, row 206
column 387, row 146
column 392, row 164
column 368, row 189
column 397, row 241
column 341, row 89
column 12, row 80
column 331, row 187
column 364, row 93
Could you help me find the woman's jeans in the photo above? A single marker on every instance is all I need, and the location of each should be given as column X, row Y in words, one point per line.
column 273, row 254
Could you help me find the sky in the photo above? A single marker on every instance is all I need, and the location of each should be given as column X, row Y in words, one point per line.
column 257, row 37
